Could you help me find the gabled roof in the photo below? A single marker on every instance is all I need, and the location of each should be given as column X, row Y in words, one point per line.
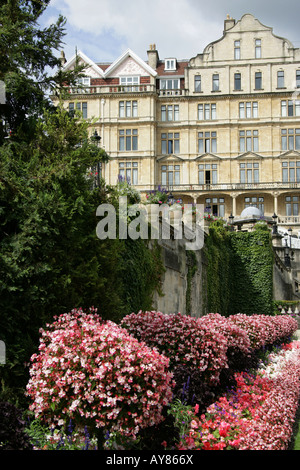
column 108, row 70
column 136, row 58
column 85, row 59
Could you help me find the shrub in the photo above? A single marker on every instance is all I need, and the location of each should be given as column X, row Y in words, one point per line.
column 12, row 428
column 182, row 339
column 96, row 374
column 264, row 330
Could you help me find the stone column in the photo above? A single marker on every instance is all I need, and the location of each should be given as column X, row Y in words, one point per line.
column 234, row 204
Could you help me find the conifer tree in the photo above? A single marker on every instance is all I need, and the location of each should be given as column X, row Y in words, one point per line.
column 51, row 260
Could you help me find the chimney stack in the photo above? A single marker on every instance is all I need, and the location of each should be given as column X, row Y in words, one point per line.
column 228, row 23
column 153, row 57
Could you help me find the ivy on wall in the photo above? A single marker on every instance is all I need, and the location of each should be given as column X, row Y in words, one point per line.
column 219, row 273
column 142, row 268
column 191, row 271
column 239, row 271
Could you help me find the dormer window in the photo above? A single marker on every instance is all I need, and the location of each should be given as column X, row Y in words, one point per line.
column 170, row 64
column 84, row 81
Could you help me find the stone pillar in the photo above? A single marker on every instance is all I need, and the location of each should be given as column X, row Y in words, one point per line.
column 233, row 204
column 275, row 203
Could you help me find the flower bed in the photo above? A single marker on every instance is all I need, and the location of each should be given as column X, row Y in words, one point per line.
column 95, row 373
column 120, row 378
column 203, row 343
column 257, row 415
column 183, row 339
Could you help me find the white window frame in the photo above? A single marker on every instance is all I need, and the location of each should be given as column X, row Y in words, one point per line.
column 207, row 111
column 170, row 63
column 129, row 170
column 237, row 50
column 130, row 82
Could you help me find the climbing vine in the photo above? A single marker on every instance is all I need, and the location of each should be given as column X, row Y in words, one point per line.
column 239, row 271
column 191, row 271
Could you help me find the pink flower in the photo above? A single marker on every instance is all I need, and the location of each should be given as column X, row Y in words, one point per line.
column 194, row 424
column 88, row 368
column 224, row 428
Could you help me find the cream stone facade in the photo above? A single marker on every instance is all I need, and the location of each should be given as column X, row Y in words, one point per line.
column 220, row 129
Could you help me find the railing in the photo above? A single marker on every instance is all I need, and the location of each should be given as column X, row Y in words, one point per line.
column 172, row 92
column 147, row 88
column 230, row 186
column 286, row 220
column 142, row 88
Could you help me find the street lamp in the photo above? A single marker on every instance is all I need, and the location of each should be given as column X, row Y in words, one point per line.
column 96, row 139
column 231, row 217
column 287, row 259
column 290, row 237
column 275, row 228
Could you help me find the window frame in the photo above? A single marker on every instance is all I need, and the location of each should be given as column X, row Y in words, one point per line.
column 128, row 140
column 248, row 140
column 131, row 169
column 207, row 111
column 258, row 80
column 216, row 82
column 197, row 84
column 170, row 174
column 290, row 139
column 237, row 81
column 237, row 49
column 249, row 172
column 280, row 79
column 170, row 143
column 207, row 142
column 258, row 54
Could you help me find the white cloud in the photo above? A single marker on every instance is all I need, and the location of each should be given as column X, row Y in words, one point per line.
column 177, row 27
column 104, row 29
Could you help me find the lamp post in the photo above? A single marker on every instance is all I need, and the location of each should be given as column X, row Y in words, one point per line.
column 287, row 259
column 275, row 228
column 96, row 139
column 231, row 217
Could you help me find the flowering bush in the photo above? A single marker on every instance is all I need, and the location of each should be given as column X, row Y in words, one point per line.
column 264, row 330
column 95, row 373
column 182, row 339
column 257, row 415
column 237, row 338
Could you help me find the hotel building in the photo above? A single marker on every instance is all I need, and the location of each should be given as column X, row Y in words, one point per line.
column 220, row 129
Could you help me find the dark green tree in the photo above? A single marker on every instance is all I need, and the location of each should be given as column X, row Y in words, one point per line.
column 30, row 66
column 51, row 260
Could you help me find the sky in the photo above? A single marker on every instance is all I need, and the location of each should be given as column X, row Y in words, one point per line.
column 105, row 29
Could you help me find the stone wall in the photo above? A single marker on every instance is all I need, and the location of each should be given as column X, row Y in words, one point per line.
column 177, row 285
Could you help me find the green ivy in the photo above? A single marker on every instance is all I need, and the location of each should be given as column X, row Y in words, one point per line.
column 192, row 269
column 142, row 268
column 239, row 271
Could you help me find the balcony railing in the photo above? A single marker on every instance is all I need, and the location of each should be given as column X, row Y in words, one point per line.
column 147, row 88
column 230, row 186
column 172, row 92
column 143, row 88
column 289, row 220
